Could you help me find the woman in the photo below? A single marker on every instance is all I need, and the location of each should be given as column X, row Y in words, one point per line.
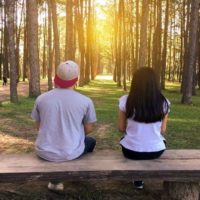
column 143, row 118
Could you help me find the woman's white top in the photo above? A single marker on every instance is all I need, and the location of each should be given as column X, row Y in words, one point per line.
column 141, row 137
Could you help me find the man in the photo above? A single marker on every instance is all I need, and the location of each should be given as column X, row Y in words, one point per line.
column 63, row 117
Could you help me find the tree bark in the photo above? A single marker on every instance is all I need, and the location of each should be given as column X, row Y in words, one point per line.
column 1, row 43
column 49, row 51
column 69, row 44
column 187, row 90
column 156, row 59
column 11, row 44
column 81, row 39
column 143, row 34
column 124, row 46
column 25, row 50
column 32, row 36
column 198, row 55
column 115, row 42
column 55, row 31
column 182, row 40
column 137, row 34
column 18, row 31
column 180, row 191
column 88, row 43
column 5, row 46
column 164, row 52
column 44, row 61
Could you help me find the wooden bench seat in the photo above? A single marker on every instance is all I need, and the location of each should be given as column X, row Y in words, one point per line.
column 175, row 167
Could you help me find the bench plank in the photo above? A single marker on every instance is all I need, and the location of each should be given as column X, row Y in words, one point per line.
column 174, row 165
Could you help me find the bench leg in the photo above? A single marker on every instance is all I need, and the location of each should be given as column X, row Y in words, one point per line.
column 180, row 191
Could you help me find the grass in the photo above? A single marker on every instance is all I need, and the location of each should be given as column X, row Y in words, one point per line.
column 18, row 133
column 183, row 124
column 16, row 128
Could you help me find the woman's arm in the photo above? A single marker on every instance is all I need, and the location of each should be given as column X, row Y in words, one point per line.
column 164, row 124
column 122, row 121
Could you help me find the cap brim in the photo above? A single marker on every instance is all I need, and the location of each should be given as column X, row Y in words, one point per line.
column 64, row 83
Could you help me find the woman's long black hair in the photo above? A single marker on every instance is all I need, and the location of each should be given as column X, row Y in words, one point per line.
column 145, row 101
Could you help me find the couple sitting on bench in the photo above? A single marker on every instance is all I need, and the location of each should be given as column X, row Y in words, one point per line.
column 64, row 117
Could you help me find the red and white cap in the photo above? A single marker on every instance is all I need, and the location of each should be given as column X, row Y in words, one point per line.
column 67, row 74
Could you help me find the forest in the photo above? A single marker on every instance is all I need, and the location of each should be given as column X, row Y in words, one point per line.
column 110, row 40
column 105, row 37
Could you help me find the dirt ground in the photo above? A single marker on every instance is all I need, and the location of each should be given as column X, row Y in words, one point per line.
column 93, row 190
column 22, row 89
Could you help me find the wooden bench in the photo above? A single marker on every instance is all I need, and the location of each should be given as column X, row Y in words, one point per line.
column 179, row 169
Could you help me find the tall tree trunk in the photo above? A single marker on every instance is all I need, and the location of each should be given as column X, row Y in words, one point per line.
column 198, row 55
column 88, row 41
column 182, row 40
column 150, row 27
column 132, row 62
column 32, row 36
column 143, row 34
column 25, row 47
column 170, row 52
column 137, row 34
column 119, row 45
column 69, row 43
column 156, row 62
column 44, row 62
column 187, row 90
column 93, row 43
column 115, row 42
column 186, row 36
column 18, row 35
column 81, row 39
column 11, row 44
column 55, row 31
column 164, row 52
column 5, row 45
column 1, row 43
column 124, row 50
column 50, row 53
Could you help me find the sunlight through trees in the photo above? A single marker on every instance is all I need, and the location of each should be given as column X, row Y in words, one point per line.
column 104, row 37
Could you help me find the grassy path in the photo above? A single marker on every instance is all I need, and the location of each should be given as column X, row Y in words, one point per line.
column 18, row 133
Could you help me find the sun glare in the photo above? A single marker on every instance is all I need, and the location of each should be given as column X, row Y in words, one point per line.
column 99, row 9
column 101, row 2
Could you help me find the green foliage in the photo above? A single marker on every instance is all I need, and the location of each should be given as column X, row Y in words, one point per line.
column 19, row 112
column 183, row 123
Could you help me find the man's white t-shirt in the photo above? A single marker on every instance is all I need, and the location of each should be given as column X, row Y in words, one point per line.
column 61, row 114
column 141, row 137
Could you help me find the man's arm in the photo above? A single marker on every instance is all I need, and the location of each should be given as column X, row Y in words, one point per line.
column 88, row 127
column 37, row 125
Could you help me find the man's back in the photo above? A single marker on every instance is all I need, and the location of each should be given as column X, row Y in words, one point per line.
column 61, row 114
